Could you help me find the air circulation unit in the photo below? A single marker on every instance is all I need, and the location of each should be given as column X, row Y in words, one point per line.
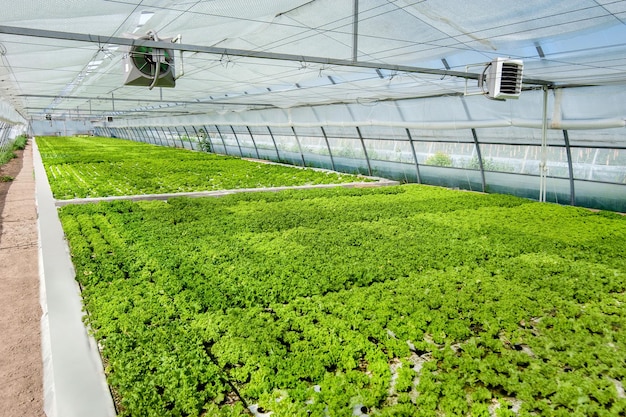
column 502, row 79
column 148, row 66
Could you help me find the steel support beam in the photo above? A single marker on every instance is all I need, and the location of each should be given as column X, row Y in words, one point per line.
column 113, row 40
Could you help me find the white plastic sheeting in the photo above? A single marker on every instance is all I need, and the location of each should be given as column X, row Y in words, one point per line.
column 565, row 42
column 571, row 108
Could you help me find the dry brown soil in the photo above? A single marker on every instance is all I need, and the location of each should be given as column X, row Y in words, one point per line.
column 21, row 384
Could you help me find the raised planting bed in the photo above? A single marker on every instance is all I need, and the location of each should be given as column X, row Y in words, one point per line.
column 398, row 301
column 81, row 167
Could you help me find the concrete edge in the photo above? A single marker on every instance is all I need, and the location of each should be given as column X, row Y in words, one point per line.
column 219, row 193
column 74, row 380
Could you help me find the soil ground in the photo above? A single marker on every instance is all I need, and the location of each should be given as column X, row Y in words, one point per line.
column 21, row 391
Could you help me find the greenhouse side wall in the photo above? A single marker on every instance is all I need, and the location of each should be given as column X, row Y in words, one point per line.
column 498, row 160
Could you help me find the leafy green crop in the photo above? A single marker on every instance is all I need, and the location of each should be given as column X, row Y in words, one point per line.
column 399, row 301
column 79, row 167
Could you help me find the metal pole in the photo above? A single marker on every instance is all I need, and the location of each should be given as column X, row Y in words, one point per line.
column 237, row 139
column 332, row 160
column 355, row 32
column 208, row 136
column 417, row 165
column 295, row 135
column 253, row 142
column 197, row 136
column 367, row 159
column 188, row 137
column 274, row 142
column 222, row 137
column 568, row 149
column 106, row 39
column 544, row 149
column 480, row 159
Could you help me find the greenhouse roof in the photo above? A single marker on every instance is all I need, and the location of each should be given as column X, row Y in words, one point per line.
column 64, row 58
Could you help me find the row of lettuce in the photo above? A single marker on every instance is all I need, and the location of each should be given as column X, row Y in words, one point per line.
column 82, row 167
column 397, row 301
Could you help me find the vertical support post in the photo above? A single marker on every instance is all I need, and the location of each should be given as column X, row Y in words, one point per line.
column 156, row 136
column 274, row 142
column 480, row 160
column 180, row 137
column 208, row 136
column 167, row 141
column 417, row 165
column 112, row 101
column 253, row 142
column 367, row 158
column 197, row 136
column 223, row 141
column 543, row 168
column 330, row 153
column 295, row 135
column 570, row 166
column 182, row 144
column 138, row 135
column 188, row 137
column 237, row 139
column 355, row 31
column 164, row 137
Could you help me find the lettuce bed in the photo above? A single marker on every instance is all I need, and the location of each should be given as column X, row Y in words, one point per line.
column 79, row 167
column 402, row 301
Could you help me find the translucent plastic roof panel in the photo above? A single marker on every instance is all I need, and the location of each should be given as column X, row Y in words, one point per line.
column 64, row 58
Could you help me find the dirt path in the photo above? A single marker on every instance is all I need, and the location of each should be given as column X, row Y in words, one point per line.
column 21, row 391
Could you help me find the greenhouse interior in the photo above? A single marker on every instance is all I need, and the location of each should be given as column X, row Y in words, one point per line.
column 345, row 269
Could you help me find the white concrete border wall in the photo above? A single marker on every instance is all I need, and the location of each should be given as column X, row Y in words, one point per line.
column 74, row 381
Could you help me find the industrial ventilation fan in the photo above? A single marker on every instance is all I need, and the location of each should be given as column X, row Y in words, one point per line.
column 149, row 66
column 502, row 79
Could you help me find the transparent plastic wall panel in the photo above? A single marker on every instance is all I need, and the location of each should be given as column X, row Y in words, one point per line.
column 397, row 171
column 610, row 138
column 447, row 154
column 338, row 132
column 287, row 145
column 177, row 135
column 230, row 140
column 346, row 148
column 351, row 165
column 429, row 135
column 390, row 150
column 384, row 133
column 315, row 151
column 463, row 179
column 524, row 159
column 285, row 139
column 213, row 137
column 263, row 139
column 599, row 164
column 313, row 144
column 187, row 136
column 518, row 135
column 601, row 196
column 318, row 161
column 527, row 186
column 246, row 143
column 216, row 144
